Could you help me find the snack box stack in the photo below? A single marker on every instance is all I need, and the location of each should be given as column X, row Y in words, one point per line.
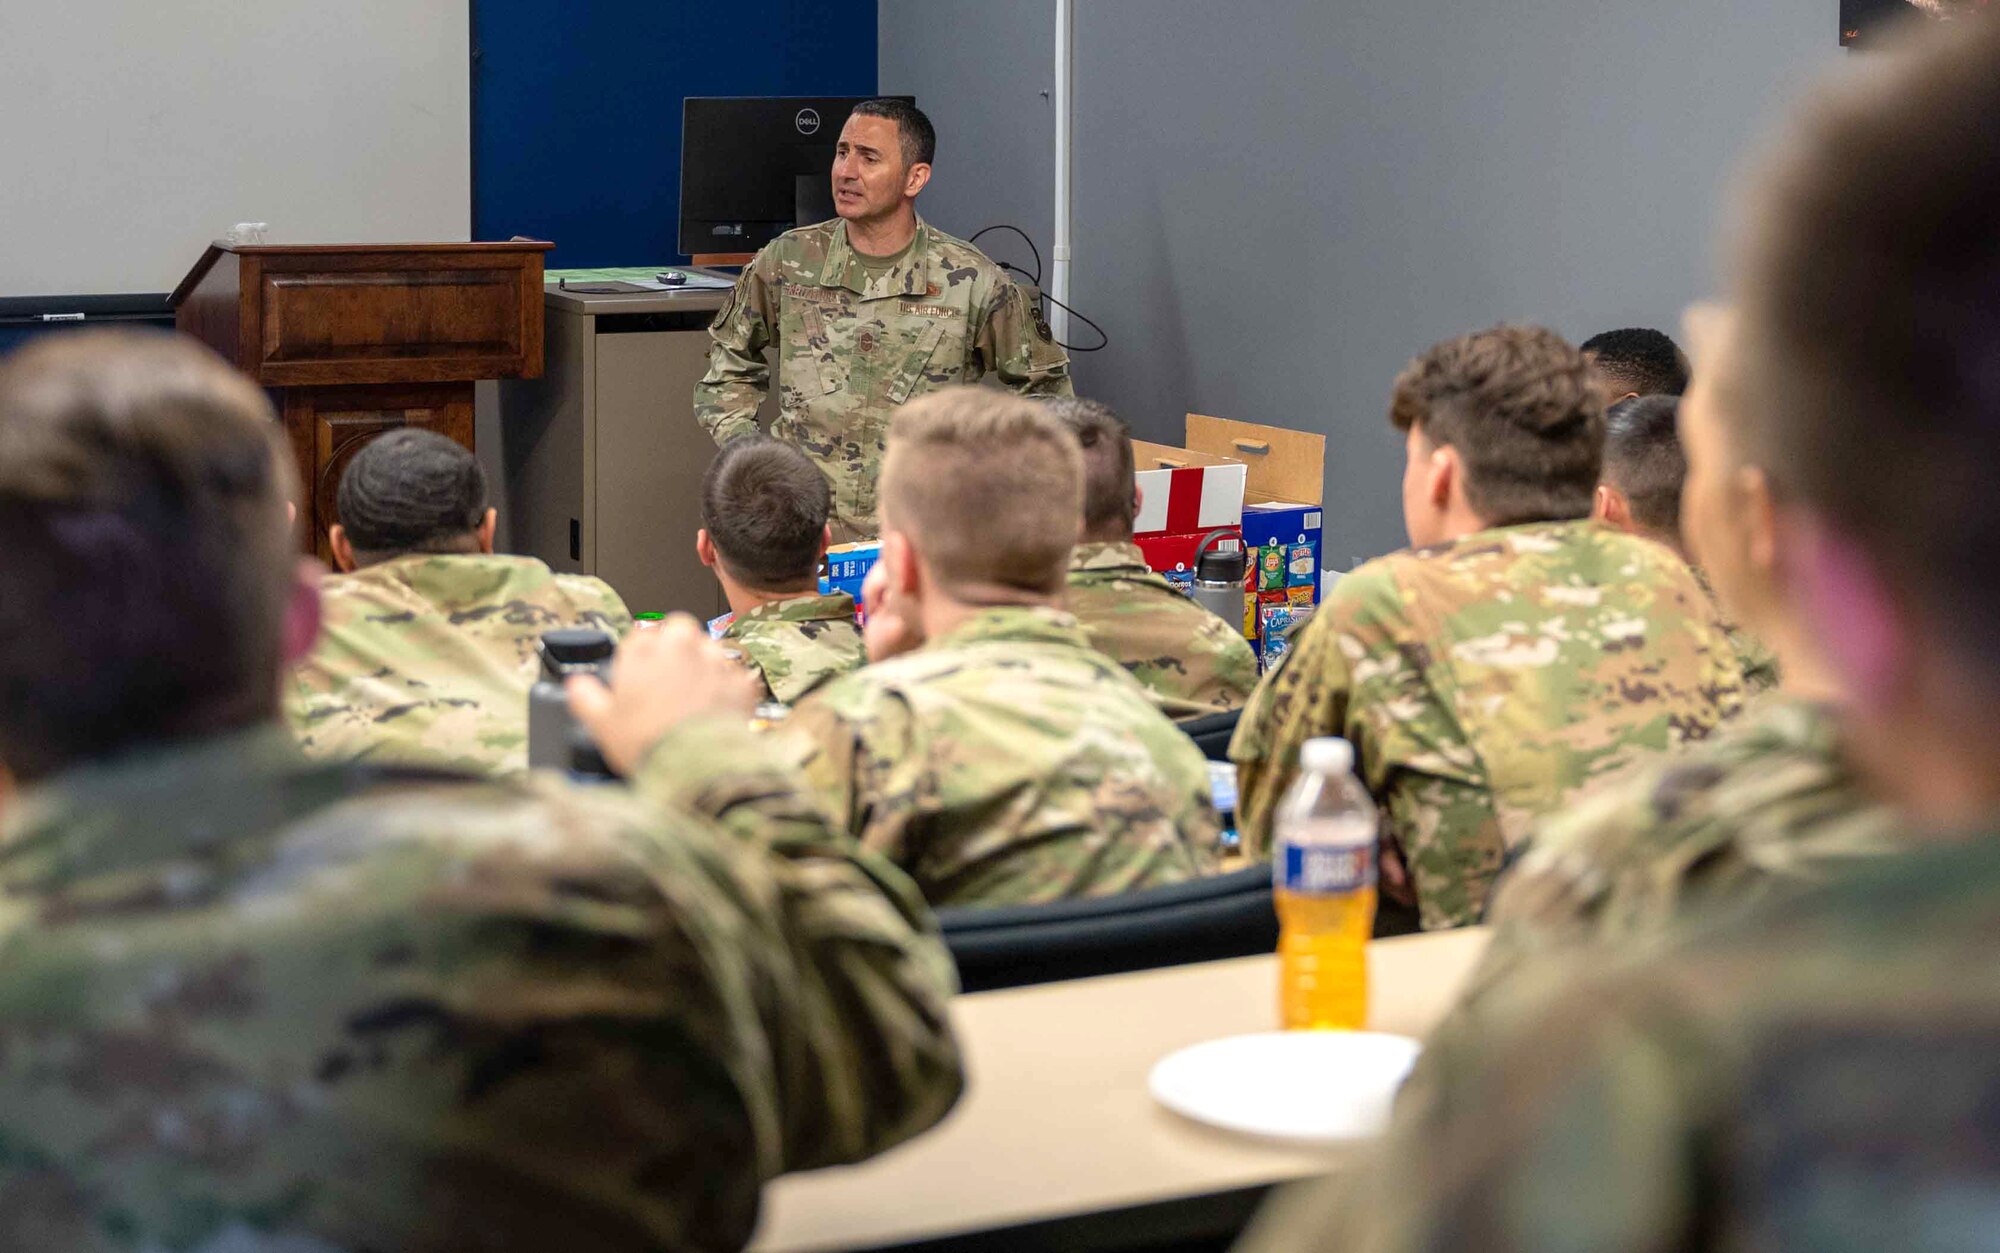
column 1284, row 542
column 847, row 566
column 1185, row 496
column 1278, row 517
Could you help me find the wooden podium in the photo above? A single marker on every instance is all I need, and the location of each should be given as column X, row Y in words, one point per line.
column 356, row 339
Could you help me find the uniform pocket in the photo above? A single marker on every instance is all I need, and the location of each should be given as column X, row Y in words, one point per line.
column 813, row 322
column 912, row 368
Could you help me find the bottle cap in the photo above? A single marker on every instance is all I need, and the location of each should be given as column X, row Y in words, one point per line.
column 1327, row 755
column 1219, row 557
column 578, row 646
column 1217, row 566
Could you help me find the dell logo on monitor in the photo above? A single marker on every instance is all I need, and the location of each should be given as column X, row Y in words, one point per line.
column 807, row 121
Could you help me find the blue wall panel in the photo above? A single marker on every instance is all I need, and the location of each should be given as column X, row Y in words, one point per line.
column 576, row 106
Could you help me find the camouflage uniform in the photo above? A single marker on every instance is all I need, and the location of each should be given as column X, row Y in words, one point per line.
column 1487, row 682
column 795, row 645
column 428, row 659
column 850, row 346
column 1819, row 1073
column 253, row 1002
column 1192, row 662
column 1008, row 763
column 1760, row 664
column 1767, row 804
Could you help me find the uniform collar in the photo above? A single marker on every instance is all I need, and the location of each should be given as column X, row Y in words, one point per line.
column 812, row 607
column 1125, row 556
column 1023, row 624
column 433, row 574
column 151, row 803
column 908, row 277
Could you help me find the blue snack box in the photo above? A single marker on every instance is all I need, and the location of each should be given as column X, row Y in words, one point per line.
column 1298, row 529
column 847, row 566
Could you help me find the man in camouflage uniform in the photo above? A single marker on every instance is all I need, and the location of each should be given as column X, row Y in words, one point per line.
column 1770, row 804
column 430, row 639
column 863, row 312
column 1520, row 654
column 764, row 530
column 1820, row 1071
column 1645, row 470
column 989, row 750
column 251, row 1001
column 1192, row 662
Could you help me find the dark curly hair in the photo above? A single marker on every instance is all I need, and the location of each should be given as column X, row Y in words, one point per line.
column 1639, row 359
column 1525, row 412
column 411, row 491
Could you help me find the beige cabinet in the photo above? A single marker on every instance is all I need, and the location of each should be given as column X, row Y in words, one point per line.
column 601, row 458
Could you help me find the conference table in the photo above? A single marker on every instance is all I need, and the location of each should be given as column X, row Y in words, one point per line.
column 1058, row 1143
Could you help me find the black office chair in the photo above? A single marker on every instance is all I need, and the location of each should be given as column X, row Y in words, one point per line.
column 1211, row 733
column 1227, row 915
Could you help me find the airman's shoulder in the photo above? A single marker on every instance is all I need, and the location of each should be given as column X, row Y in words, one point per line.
column 959, row 257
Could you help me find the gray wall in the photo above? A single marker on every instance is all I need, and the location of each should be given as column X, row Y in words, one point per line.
column 980, row 70
column 1278, row 202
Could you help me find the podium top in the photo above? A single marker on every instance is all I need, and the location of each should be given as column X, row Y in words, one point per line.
column 221, row 248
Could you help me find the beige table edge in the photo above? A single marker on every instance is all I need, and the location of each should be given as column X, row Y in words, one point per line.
column 1058, row 1120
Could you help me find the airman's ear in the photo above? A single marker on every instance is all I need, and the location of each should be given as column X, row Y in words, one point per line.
column 343, row 549
column 1442, row 475
column 1757, row 509
column 1611, row 508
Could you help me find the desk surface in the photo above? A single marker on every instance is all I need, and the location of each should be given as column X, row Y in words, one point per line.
column 1058, row 1120
column 686, row 299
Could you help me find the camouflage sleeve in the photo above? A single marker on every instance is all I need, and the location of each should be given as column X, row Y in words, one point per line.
column 854, row 990
column 1570, row 1121
column 1557, row 891
column 859, row 760
column 1013, row 343
column 601, row 604
column 303, row 699
column 1306, row 696
column 726, row 399
column 1235, row 662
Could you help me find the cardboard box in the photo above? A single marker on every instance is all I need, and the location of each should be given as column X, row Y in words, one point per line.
column 847, row 567
column 1279, row 514
column 1173, row 555
column 1182, row 492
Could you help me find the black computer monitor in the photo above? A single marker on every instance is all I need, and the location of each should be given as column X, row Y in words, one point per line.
column 754, row 167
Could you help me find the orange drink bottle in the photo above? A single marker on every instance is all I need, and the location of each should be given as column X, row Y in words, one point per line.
column 1323, row 877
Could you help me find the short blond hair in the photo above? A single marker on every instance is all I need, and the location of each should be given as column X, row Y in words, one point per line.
column 987, row 485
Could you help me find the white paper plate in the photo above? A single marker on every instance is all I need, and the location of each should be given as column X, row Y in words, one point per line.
column 1316, row 1086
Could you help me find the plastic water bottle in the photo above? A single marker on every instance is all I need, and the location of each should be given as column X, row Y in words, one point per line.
column 551, row 726
column 1323, row 875
column 1222, row 788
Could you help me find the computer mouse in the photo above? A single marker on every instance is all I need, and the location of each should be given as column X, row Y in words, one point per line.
column 674, row 278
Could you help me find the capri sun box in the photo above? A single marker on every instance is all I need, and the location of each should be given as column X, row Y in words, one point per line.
column 1277, row 478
